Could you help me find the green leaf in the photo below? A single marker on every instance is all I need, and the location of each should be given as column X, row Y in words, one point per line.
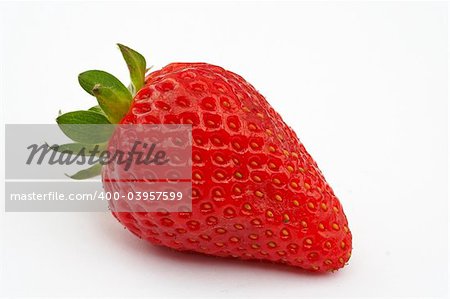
column 87, row 173
column 136, row 65
column 112, row 96
column 84, row 148
column 85, row 126
column 97, row 109
column 82, row 117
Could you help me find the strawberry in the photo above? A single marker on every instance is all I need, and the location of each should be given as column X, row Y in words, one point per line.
column 256, row 192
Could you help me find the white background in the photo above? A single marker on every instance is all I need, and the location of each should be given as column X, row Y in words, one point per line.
column 363, row 84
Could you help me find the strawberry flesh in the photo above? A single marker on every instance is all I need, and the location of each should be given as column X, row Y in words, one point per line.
column 256, row 192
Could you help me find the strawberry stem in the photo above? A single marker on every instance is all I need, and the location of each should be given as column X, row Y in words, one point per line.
column 114, row 100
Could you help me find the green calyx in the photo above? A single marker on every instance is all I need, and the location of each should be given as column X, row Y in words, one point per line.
column 137, row 67
column 114, row 100
column 112, row 96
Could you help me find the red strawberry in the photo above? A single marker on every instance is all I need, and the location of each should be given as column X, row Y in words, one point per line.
column 256, row 192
